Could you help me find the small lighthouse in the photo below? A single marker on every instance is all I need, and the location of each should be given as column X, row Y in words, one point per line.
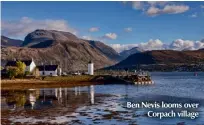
column 91, row 68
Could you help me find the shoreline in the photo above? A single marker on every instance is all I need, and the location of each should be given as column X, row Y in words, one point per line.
column 66, row 81
column 58, row 81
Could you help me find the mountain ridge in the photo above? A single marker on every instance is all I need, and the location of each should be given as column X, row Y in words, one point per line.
column 5, row 41
column 131, row 51
column 69, row 51
column 162, row 57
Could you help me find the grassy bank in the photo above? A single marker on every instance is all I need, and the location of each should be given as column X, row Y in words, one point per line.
column 71, row 78
column 58, row 81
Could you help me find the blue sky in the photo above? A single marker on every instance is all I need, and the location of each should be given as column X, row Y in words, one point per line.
column 111, row 22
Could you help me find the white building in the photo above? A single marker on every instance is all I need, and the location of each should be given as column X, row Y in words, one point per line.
column 49, row 70
column 30, row 64
column 91, row 68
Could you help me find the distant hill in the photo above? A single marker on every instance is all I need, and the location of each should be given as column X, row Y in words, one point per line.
column 63, row 48
column 129, row 52
column 5, row 41
column 162, row 57
column 201, row 49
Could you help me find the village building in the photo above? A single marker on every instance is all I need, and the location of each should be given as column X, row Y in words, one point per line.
column 30, row 64
column 49, row 70
column 90, row 68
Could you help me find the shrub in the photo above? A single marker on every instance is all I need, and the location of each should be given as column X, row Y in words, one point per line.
column 16, row 71
column 12, row 72
column 26, row 73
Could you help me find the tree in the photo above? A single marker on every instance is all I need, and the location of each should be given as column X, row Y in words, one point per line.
column 21, row 68
column 12, row 72
column 18, row 70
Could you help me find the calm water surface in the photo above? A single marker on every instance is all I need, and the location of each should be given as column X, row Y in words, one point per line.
column 104, row 104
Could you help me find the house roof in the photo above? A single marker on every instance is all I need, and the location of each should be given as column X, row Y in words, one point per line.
column 13, row 63
column 3, row 71
column 47, row 67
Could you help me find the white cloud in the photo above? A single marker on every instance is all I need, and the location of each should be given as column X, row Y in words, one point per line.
column 107, row 36
column 128, row 29
column 93, row 29
column 110, row 36
column 153, row 8
column 157, row 44
column 168, row 9
column 202, row 6
column 152, row 45
column 153, row 11
column 198, row 45
column 142, row 5
column 122, row 47
column 181, row 44
column 175, row 9
column 19, row 28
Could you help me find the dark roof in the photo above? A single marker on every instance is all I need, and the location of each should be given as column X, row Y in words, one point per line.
column 13, row 63
column 47, row 67
column 3, row 71
column 90, row 61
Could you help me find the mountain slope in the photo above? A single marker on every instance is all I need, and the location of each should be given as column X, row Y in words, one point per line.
column 46, row 38
column 129, row 52
column 106, row 50
column 5, row 41
column 62, row 48
column 163, row 57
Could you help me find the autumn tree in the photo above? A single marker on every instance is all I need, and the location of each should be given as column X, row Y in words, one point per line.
column 21, row 68
column 12, row 72
column 18, row 70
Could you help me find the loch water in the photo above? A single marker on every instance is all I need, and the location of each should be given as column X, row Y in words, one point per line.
column 105, row 104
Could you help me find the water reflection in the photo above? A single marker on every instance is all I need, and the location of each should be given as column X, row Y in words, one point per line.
column 103, row 104
column 47, row 97
column 92, row 94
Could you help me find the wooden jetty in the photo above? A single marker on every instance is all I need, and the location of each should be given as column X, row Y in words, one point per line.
column 141, row 78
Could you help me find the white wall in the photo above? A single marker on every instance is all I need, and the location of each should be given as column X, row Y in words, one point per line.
column 91, row 69
column 59, row 71
column 31, row 67
column 47, row 73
